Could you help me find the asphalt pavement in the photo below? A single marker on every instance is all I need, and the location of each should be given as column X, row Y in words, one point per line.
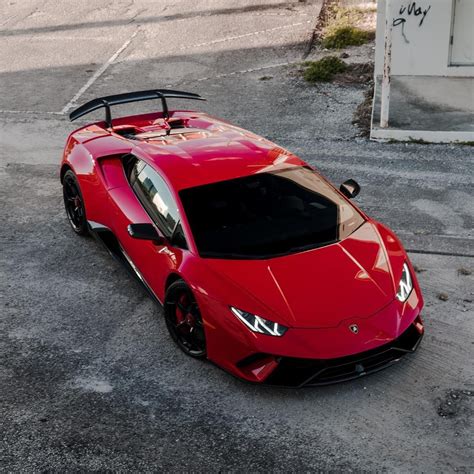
column 89, row 379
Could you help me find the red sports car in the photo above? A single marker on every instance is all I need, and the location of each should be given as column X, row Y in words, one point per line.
column 260, row 264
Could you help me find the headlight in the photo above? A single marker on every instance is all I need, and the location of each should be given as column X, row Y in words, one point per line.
column 258, row 324
column 406, row 284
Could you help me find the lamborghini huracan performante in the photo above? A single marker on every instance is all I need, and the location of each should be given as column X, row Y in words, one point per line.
column 260, row 264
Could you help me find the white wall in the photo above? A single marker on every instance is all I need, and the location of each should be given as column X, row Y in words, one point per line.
column 421, row 50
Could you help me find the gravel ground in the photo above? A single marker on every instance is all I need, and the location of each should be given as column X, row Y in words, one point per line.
column 89, row 377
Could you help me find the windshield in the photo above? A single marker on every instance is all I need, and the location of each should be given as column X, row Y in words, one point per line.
column 267, row 215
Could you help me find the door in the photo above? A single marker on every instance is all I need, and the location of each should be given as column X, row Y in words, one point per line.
column 147, row 198
column 462, row 33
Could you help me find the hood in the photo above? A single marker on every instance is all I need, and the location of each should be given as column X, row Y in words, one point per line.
column 317, row 288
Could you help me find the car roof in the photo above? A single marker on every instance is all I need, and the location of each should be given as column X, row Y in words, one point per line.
column 191, row 148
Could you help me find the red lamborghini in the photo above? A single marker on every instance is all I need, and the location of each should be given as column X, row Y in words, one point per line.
column 260, row 264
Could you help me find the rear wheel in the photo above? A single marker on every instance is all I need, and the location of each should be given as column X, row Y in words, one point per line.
column 184, row 321
column 74, row 203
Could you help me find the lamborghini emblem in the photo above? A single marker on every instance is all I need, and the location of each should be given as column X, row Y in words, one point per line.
column 354, row 328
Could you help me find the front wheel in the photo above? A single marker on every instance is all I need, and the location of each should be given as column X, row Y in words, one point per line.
column 184, row 321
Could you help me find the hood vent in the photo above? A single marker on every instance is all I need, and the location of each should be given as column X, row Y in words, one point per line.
column 175, row 128
column 174, row 132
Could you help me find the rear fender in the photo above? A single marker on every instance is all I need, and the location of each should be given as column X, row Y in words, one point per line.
column 84, row 158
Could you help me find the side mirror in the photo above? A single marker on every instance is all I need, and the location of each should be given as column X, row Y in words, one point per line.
column 350, row 188
column 145, row 232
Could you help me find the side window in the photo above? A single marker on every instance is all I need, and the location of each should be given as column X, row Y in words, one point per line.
column 155, row 195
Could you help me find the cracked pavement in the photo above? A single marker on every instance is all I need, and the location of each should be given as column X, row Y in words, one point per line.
column 89, row 378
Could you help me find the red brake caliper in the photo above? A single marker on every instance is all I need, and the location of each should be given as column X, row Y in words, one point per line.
column 186, row 320
column 77, row 202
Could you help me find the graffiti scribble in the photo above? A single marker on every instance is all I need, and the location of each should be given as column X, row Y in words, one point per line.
column 411, row 10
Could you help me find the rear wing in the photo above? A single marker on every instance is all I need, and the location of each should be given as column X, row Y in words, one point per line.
column 128, row 97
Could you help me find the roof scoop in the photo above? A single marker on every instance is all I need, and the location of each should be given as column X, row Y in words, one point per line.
column 108, row 101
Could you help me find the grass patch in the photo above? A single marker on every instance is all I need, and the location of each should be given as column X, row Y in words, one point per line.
column 342, row 28
column 345, row 36
column 324, row 69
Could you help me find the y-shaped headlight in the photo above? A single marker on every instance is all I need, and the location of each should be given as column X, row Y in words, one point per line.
column 258, row 324
column 406, row 284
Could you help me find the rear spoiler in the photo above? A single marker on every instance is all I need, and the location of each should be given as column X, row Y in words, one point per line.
column 128, row 97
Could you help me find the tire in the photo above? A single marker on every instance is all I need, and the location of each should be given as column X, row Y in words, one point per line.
column 184, row 321
column 74, row 204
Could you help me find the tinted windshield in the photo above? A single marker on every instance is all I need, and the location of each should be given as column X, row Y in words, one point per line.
column 267, row 215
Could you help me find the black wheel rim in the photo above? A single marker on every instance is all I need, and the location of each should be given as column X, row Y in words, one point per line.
column 185, row 323
column 73, row 203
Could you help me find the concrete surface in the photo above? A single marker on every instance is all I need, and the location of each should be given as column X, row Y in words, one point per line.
column 89, row 378
column 428, row 103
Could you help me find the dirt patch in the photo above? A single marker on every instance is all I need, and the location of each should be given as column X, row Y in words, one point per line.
column 342, row 21
column 333, row 69
column 361, row 73
column 456, row 403
column 443, row 296
column 322, row 21
column 341, row 24
column 363, row 114
column 419, row 269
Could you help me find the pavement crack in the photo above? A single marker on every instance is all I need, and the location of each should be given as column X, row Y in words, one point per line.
column 447, row 254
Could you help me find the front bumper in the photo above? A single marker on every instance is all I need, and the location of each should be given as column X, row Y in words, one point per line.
column 306, row 372
column 318, row 356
